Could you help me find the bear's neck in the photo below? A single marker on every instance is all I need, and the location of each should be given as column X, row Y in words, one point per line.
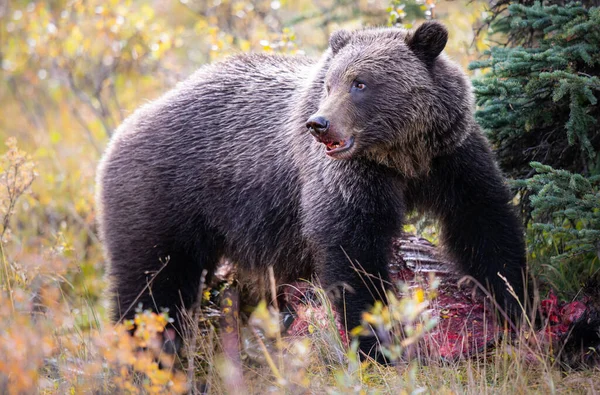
column 410, row 163
column 412, row 157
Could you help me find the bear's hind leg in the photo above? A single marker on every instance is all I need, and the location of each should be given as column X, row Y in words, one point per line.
column 167, row 281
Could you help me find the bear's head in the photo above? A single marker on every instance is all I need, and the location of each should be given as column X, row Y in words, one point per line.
column 381, row 94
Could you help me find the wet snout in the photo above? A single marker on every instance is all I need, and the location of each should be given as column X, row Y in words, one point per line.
column 332, row 125
column 335, row 142
column 317, row 125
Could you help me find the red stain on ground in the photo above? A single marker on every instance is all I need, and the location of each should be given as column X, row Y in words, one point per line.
column 467, row 324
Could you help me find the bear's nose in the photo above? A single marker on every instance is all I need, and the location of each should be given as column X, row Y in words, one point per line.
column 317, row 124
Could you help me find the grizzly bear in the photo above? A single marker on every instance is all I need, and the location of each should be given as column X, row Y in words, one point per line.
column 306, row 167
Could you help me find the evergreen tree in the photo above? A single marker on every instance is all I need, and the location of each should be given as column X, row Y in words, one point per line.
column 538, row 103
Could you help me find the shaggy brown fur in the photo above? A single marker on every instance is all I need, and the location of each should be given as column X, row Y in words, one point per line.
column 224, row 165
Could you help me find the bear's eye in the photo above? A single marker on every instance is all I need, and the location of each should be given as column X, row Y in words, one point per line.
column 327, row 88
column 357, row 85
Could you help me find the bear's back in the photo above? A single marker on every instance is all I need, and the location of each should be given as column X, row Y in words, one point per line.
column 214, row 149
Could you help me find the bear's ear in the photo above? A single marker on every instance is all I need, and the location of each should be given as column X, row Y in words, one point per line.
column 338, row 40
column 428, row 41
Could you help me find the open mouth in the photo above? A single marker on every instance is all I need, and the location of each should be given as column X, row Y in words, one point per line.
column 335, row 147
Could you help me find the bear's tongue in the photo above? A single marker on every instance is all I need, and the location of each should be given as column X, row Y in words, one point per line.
column 334, row 144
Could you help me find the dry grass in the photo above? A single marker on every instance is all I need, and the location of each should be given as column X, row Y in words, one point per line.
column 62, row 95
column 55, row 337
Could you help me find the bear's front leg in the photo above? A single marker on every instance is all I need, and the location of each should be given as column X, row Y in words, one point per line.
column 480, row 227
column 355, row 278
column 350, row 228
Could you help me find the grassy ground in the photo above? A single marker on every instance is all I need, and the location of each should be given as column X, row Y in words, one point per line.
column 55, row 339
